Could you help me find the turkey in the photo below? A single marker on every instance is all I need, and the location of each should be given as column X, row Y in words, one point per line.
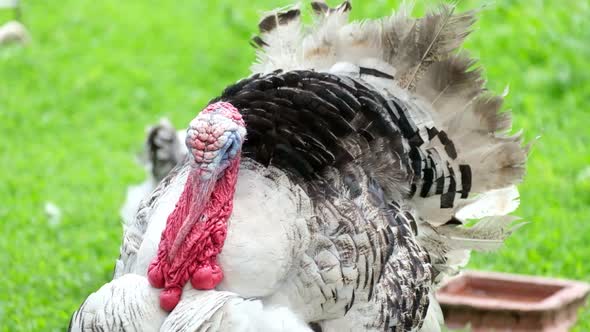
column 163, row 150
column 328, row 191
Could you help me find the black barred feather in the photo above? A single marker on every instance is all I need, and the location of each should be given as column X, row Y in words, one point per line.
column 320, row 8
column 322, row 113
column 272, row 21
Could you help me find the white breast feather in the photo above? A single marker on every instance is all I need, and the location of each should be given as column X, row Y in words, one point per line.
column 266, row 233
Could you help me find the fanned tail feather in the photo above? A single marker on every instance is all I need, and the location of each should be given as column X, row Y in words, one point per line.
column 279, row 40
column 465, row 164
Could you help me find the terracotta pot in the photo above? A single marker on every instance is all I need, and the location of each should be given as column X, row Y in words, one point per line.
column 488, row 301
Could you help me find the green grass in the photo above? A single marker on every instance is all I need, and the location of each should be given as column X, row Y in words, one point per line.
column 74, row 105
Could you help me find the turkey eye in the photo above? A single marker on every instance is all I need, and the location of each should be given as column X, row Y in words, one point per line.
column 232, row 146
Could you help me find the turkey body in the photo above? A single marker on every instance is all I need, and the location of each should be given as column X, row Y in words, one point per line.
column 364, row 144
column 356, row 234
column 331, row 236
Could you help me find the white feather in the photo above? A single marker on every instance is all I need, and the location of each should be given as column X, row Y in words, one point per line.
column 157, row 222
column 283, row 47
column 497, row 202
column 277, row 222
column 201, row 311
column 135, row 194
column 127, row 303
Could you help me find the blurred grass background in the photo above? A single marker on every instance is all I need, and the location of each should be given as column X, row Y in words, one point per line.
column 75, row 102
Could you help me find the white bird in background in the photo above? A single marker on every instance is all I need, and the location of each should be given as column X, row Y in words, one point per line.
column 163, row 150
column 325, row 192
column 13, row 32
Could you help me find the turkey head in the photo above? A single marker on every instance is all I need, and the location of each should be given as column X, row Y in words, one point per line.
column 196, row 229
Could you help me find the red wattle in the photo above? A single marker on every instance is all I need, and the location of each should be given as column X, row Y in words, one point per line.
column 207, row 277
column 169, row 298
column 196, row 257
column 155, row 275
